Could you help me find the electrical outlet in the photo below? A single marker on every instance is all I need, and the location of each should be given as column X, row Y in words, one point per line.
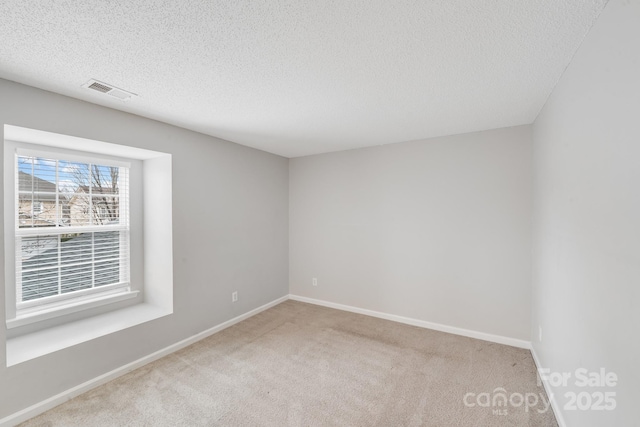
column 314, row 281
column 539, row 333
column 234, row 297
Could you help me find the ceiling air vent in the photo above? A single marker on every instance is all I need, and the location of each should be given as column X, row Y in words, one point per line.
column 110, row 90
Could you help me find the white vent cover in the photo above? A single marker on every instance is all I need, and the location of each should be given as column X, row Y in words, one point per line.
column 108, row 89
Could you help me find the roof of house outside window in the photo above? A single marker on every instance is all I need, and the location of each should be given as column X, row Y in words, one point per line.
column 28, row 182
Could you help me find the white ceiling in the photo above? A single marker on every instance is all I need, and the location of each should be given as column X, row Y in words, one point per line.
column 303, row 77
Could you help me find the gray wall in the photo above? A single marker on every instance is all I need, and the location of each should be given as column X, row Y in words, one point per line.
column 230, row 226
column 587, row 217
column 436, row 230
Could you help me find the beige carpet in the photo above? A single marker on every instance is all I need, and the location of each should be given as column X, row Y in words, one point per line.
column 302, row 365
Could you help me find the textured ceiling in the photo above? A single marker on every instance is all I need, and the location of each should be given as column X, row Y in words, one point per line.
column 303, row 77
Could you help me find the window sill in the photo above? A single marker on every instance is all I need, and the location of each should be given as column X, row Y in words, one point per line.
column 37, row 344
column 72, row 307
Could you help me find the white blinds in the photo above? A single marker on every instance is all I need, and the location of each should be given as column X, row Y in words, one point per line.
column 72, row 228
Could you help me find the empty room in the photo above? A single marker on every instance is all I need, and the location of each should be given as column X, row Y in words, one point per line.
column 329, row 213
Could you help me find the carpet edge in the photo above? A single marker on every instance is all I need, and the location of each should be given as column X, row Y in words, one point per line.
column 548, row 390
column 499, row 339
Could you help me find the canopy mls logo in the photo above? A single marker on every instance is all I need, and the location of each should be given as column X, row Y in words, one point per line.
column 500, row 401
column 600, row 399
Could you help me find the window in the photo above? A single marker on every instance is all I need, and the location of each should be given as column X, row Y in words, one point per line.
column 98, row 257
column 87, row 252
column 37, row 208
column 72, row 230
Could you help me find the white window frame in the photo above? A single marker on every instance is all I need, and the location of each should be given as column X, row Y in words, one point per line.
column 20, row 313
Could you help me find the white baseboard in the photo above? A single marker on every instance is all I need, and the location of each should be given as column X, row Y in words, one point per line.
column 66, row 395
column 547, row 388
column 514, row 342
